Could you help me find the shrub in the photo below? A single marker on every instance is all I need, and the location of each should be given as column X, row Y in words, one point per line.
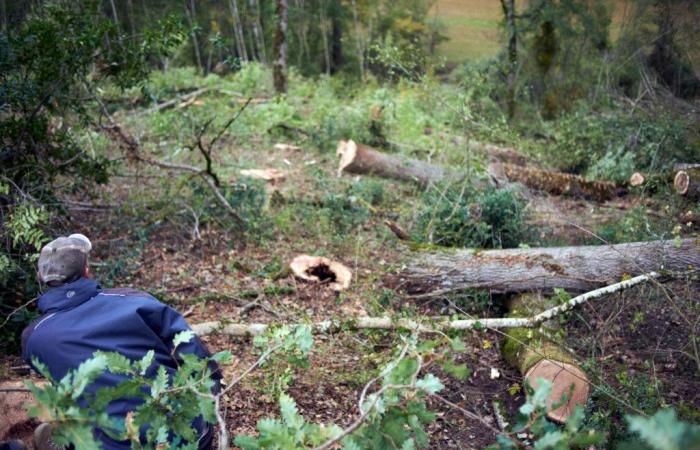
column 461, row 217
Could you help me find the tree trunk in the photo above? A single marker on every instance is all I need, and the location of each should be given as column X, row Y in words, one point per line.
column 238, row 30
column 114, row 14
column 509, row 16
column 325, row 28
column 556, row 183
column 687, row 182
column 337, row 57
column 192, row 17
column 576, row 269
column 358, row 40
column 279, row 66
column 363, row 160
column 130, row 17
column 258, row 31
column 535, row 355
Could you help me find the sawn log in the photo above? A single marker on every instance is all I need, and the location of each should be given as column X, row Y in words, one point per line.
column 576, row 269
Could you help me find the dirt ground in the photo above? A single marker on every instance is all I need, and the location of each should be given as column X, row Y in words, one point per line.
column 214, row 276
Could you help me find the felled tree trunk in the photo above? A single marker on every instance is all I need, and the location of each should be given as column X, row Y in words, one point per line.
column 363, row 160
column 279, row 65
column 576, row 269
column 557, row 183
column 536, row 356
column 687, row 182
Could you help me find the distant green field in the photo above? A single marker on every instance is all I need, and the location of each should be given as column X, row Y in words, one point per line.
column 473, row 27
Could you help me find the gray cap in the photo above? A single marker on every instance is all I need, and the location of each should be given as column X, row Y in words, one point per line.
column 64, row 258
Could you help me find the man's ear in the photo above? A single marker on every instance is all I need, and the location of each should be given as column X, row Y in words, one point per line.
column 86, row 271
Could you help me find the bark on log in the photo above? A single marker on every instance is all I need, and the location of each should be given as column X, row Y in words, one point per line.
column 536, row 356
column 576, row 269
column 557, row 183
column 687, row 182
column 363, row 160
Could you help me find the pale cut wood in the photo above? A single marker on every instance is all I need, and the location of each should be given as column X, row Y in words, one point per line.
column 318, row 269
column 531, row 350
column 576, row 269
column 637, row 179
column 568, row 382
column 363, row 160
column 687, row 182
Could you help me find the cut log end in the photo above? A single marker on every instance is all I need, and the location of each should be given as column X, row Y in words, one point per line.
column 637, row 179
column 346, row 151
column 682, row 182
column 568, row 382
column 317, row 269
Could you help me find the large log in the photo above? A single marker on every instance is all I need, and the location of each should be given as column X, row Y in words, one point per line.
column 536, row 355
column 363, row 160
column 557, row 183
column 576, row 269
column 687, row 182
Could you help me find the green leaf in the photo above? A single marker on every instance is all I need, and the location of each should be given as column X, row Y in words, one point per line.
column 246, row 442
column 457, row 345
column 145, row 362
column 182, row 337
column 223, row 357
column 430, row 384
column 160, row 383
column 87, row 372
column 663, row 431
column 549, row 440
column 290, row 413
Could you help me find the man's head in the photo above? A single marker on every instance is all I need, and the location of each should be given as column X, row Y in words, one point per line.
column 64, row 259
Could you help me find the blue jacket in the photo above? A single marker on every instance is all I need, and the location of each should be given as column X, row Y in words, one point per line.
column 80, row 318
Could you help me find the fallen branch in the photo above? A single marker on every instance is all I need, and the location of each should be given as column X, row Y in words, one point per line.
column 388, row 323
column 131, row 146
column 172, row 102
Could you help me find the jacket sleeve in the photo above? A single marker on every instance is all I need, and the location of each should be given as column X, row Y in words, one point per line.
column 167, row 323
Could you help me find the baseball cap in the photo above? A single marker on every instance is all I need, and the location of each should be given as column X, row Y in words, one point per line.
column 64, row 258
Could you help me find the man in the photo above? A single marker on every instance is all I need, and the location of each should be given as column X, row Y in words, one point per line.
column 79, row 318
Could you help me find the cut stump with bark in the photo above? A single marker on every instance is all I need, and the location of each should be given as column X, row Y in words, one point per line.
column 536, row 356
column 363, row 160
column 317, row 269
column 687, row 182
column 576, row 269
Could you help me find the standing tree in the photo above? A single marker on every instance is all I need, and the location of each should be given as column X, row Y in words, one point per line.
column 279, row 66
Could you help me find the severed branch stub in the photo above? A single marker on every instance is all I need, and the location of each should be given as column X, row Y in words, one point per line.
column 317, row 269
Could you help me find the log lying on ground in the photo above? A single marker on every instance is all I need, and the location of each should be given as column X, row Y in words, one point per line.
column 687, row 182
column 435, row 326
column 576, row 269
column 536, row 356
column 363, row 160
column 556, row 183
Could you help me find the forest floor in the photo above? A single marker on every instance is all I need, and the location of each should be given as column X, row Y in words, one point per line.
column 634, row 345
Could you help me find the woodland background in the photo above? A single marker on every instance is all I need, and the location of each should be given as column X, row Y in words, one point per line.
column 130, row 121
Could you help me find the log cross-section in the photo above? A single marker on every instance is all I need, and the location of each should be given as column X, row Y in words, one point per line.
column 576, row 269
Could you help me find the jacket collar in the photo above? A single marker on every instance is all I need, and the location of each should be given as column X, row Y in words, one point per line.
column 69, row 295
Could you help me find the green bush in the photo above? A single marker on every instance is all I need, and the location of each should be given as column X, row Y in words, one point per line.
column 611, row 144
column 462, row 217
column 51, row 64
